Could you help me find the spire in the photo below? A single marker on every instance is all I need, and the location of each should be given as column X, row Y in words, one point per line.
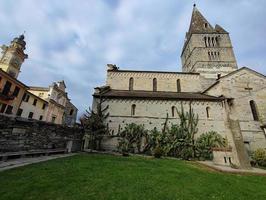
column 198, row 23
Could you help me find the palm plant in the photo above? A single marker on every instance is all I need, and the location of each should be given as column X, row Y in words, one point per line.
column 206, row 142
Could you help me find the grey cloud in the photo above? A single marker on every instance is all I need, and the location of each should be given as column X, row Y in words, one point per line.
column 75, row 40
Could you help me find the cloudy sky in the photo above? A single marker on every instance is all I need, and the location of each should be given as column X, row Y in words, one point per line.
column 75, row 39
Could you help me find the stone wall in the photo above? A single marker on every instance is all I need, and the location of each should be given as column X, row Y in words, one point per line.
column 19, row 134
column 195, row 57
column 166, row 81
column 244, row 86
column 152, row 113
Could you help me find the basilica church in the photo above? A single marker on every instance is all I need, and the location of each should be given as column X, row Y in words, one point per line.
column 228, row 99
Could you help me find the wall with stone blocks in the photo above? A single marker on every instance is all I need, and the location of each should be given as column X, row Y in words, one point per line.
column 19, row 134
column 119, row 80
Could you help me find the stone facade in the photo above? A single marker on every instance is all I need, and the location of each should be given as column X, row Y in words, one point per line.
column 70, row 115
column 228, row 100
column 207, row 50
column 18, row 134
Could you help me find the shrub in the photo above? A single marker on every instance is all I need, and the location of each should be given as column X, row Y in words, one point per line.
column 157, row 152
column 131, row 138
column 259, row 157
column 206, row 142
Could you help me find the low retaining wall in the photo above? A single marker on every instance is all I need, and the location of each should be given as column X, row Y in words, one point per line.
column 19, row 134
column 223, row 156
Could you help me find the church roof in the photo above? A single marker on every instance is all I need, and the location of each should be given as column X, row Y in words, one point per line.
column 199, row 24
column 158, row 95
column 232, row 73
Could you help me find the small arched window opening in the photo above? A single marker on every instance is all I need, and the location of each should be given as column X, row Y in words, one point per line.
column 173, row 111
column 206, row 25
column 205, row 41
column 131, row 83
column 212, row 41
column 178, row 85
column 217, row 41
column 208, row 112
column 133, row 109
column 209, row 41
column 209, row 54
column 154, row 82
column 71, row 112
column 254, row 110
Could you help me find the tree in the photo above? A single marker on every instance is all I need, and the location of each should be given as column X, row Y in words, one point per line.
column 94, row 123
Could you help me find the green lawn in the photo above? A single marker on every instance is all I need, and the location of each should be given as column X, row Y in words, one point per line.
column 91, row 176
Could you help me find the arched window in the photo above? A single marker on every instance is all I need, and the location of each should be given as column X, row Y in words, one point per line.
column 212, row 41
column 254, row 110
column 133, row 109
column 209, row 44
column 131, row 83
column 209, row 54
column 217, row 41
column 178, row 86
column 154, row 83
column 205, row 41
column 212, row 56
column 206, row 25
column 208, row 112
column 173, row 111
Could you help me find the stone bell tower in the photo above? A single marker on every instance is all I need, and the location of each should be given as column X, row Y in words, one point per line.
column 207, row 50
column 13, row 56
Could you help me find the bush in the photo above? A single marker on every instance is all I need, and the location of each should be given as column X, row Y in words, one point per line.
column 157, row 152
column 131, row 138
column 259, row 157
column 206, row 142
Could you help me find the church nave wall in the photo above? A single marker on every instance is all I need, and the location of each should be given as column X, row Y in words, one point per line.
column 145, row 81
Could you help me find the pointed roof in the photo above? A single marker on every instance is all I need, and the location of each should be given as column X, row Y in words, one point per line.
column 219, row 29
column 198, row 23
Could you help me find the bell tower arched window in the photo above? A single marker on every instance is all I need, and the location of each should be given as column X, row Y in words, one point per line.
column 131, row 83
column 254, row 110
column 133, row 109
column 154, row 83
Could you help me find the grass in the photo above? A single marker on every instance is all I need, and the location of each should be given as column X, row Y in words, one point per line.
column 91, row 176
